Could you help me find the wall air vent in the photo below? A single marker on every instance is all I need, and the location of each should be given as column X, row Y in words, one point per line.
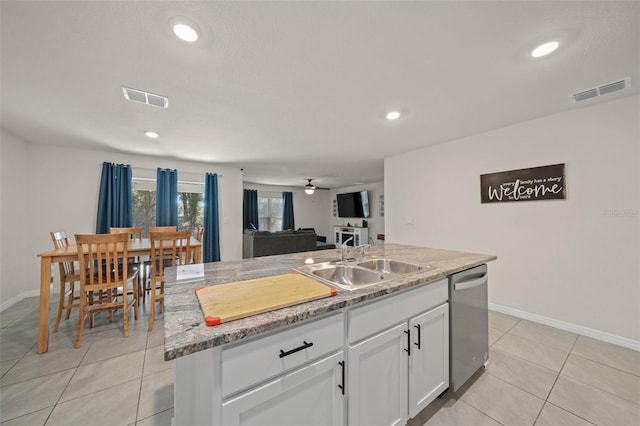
column 145, row 97
column 600, row 90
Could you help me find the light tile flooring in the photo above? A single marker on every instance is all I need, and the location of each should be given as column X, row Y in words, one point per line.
column 536, row 375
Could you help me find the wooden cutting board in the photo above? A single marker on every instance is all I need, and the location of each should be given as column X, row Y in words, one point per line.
column 231, row 301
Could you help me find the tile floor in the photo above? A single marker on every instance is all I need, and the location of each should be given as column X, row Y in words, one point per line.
column 536, row 375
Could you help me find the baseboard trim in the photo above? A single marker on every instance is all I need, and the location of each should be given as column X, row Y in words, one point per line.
column 30, row 293
column 9, row 303
column 567, row 326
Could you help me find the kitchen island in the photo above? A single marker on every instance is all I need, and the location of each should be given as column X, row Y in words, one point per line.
column 231, row 373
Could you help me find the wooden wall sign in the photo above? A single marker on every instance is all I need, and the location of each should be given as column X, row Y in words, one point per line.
column 536, row 183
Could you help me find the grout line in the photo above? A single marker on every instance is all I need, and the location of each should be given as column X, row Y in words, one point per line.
column 156, row 414
column 515, row 386
column 556, row 381
column 564, row 409
column 604, row 365
column 144, row 362
column 478, row 410
column 17, row 362
column 528, row 360
column 68, row 383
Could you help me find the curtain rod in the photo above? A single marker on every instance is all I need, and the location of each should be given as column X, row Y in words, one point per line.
column 172, row 168
column 180, row 181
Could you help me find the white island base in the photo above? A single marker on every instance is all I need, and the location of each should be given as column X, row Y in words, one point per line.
column 377, row 362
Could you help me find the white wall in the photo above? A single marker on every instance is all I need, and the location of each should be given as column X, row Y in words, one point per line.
column 14, row 225
column 62, row 192
column 574, row 261
column 309, row 211
column 375, row 222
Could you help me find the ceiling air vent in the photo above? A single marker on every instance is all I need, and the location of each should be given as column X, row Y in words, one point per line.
column 145, row 97
column 600, row 90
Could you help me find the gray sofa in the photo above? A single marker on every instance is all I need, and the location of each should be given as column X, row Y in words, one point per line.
column 265, row 243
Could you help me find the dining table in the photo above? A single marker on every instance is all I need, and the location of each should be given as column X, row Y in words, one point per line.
column 69, row 254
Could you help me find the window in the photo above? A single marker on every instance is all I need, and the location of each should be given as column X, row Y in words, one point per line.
column 190, row 205
column 270, row 211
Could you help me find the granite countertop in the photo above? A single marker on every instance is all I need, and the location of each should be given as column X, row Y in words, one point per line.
column 186, row 333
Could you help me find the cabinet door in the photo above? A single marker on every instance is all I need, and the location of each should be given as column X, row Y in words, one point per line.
column 308, row 396
column 377, row 379
column 429, row 361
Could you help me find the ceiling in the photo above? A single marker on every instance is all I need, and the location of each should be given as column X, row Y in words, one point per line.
column 296, row 90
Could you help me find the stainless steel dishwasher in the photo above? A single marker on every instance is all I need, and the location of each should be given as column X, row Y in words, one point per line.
column 469, row 324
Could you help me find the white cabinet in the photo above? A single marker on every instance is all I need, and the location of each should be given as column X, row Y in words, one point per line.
column 429, row 360
column 343, row 233
column 403, row 362
column 395, row 349
column 312, row 395
column 289, row 376
column 377, row 385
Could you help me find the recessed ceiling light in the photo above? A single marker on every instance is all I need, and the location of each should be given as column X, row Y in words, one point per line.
column 393, row 115
column 151, row 135
column 544, row 49
column 185, row 32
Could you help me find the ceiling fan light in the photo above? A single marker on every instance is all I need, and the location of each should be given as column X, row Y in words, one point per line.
column 309, row 187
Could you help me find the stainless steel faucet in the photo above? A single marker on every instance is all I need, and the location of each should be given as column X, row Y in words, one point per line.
column 343, row 248
column 363, row 250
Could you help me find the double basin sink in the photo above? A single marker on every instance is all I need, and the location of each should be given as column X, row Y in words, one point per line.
column 356, row 275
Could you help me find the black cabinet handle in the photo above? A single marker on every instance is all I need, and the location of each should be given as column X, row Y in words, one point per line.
column 418, row 344
column 341, row 386
column 304, row 346
column 408, row 350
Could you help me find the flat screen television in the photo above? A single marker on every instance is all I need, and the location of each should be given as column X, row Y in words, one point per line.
column 353, row 204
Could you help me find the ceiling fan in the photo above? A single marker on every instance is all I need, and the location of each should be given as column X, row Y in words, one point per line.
column 309, row 188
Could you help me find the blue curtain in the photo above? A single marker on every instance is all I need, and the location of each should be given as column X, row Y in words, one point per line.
column 167, row 197
column 211, row 239
column 288, row 221
column 250, row 209
column 115, row 199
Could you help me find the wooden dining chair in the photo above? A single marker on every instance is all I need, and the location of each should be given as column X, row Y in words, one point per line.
column 162, row 229
column 146, row 266
column 134, row 263
column 135, row 233
column 167, row 249
column 199, row 237
column 105, row 278
column 68, row 277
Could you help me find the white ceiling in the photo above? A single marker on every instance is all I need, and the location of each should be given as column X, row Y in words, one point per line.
column 297, row 90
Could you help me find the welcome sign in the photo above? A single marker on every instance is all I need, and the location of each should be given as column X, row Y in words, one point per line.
column 536, row 183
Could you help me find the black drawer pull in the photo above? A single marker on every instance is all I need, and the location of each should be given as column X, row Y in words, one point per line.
column 341, row 387
column 408, row 350
column 418, row 344
column 304, row 346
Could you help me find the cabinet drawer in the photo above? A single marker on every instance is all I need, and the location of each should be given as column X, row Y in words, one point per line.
column 308, row 395
column 247, row 364
column 380, row 315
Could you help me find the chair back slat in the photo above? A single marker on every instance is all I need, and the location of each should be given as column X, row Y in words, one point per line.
column 162, row 229
column 104, row 258
column 135, row 233
column 60, row 241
